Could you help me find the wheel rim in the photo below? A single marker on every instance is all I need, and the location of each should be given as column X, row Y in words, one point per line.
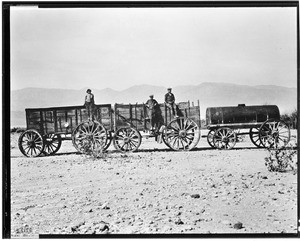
column 210, row 138
column 274, row 134
column 182, row 134
column 31, row 143
column 224, row 138
column 127, row 139
column 52, row 143
column 254, row 137
column 89, row 136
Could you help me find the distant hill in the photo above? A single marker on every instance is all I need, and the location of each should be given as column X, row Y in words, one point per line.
column 209, row 95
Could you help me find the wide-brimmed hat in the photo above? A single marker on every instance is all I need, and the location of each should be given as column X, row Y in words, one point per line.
column 151, row 95
column 169, row 89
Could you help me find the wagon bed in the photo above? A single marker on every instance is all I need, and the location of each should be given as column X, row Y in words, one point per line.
column 175, row 132
column 63, row 120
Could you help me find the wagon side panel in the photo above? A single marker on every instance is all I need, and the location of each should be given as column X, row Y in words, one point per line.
column 130, row 115
column 34, row 119
column 194, row 114
column 48, row 121
column 103, row 115
column 65, row 120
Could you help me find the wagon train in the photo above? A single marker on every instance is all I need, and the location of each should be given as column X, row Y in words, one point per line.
column 263, row 121
column 124, row 125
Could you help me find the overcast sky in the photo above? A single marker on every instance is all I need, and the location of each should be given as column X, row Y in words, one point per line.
column 121, row 47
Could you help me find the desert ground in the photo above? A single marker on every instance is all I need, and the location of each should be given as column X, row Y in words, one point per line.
column 152, row 191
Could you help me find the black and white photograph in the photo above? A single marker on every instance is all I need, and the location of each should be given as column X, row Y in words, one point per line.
column 150, row 119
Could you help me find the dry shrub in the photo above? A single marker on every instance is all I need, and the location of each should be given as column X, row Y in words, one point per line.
column 17, row 130
column 94, row 150
column 283, row 159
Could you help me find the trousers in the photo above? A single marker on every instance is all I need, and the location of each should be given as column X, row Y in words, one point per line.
column 90, row 109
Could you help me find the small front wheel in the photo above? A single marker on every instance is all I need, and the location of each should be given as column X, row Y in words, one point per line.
column 254, row 137
column 108, row 141
column 31, row 143
column 224, row 138
column 210, row 138
column 52, row 143
column 127, row 139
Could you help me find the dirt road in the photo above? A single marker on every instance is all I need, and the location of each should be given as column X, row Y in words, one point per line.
column 151, row 191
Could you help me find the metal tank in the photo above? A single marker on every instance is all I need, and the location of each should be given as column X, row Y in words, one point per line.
column 240, row 116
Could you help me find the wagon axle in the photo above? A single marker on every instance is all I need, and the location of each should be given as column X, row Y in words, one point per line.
column 31, row 144
column 182, row 133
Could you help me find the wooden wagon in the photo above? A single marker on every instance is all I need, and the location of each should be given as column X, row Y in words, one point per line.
column 180, row 133
column 263, row 121
column 47, row 127
column 122, row 125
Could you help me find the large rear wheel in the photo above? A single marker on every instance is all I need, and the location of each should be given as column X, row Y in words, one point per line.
column 274, row 134
column 182, row 134
column 89, row 137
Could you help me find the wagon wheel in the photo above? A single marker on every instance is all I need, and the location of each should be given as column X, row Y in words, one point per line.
column 210, row 137
column 254, row 137
column 274, row 134
column 52, row 143
column 182, row 134
column 108, row 141
column 127, row 139
column 224, row 138
column 31, row 143
column 89, row 136
column 165, row 141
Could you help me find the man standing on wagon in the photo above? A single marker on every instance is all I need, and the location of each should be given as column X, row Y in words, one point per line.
column 170, row 102
column 152, row 106
column 89, row 103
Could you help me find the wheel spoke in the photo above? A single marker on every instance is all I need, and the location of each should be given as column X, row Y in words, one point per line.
column 120, row 137
column 28, row 150
column 133, row 143
column 192, row 128
column 183, row 146
column 95, row 130
column 88, row 128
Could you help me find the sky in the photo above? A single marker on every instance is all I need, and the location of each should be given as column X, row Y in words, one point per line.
column 121, row 47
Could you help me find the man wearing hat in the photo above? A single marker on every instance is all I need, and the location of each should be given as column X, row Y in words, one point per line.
column 152, row 106
column 170, row 101
column 89, row 103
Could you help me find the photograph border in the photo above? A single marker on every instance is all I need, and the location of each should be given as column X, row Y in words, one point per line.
column 6, row 78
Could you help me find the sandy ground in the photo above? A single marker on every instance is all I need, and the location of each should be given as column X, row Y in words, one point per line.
column 151, row 191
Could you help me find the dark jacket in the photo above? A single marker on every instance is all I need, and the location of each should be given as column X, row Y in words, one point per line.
column 169, row 98
column 151, row 104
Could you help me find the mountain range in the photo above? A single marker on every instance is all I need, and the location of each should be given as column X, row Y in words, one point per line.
column 209, row 95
